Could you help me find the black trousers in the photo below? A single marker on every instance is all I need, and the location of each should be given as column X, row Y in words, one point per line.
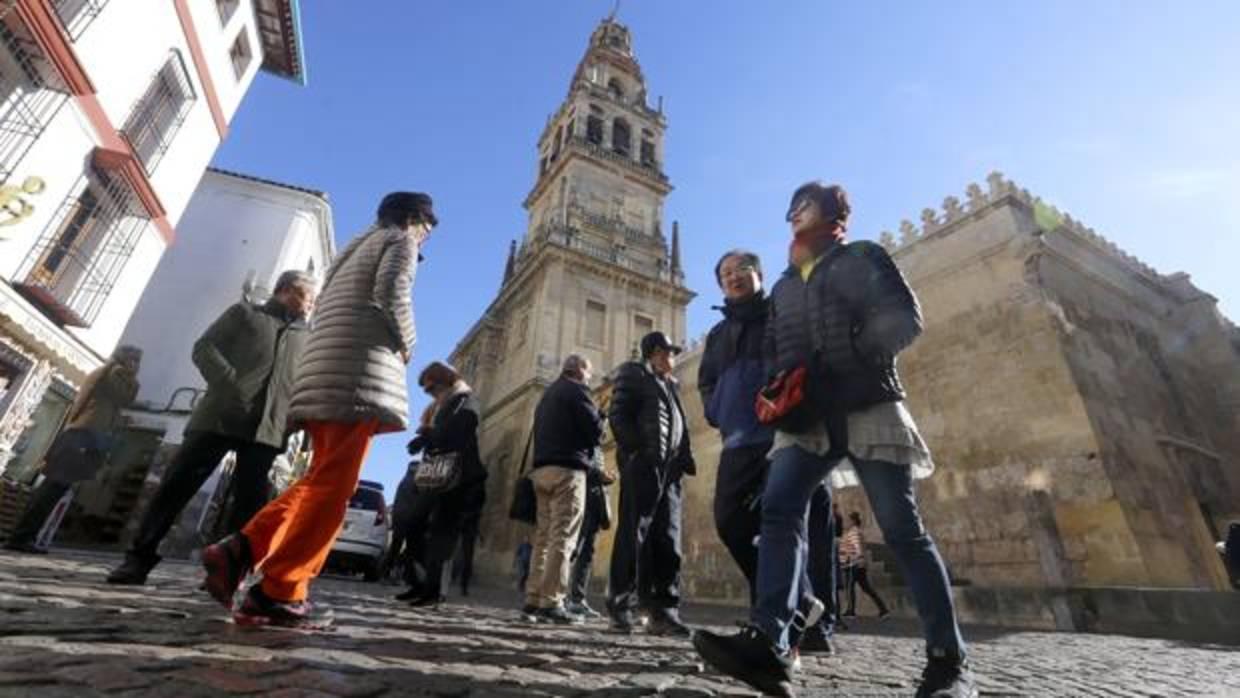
column 463, row 563
column 858, row 577
column 583, row 553
column 434, row 526
column 42, row 501
column 646, row 554
column 193, row 463
column 738, row 506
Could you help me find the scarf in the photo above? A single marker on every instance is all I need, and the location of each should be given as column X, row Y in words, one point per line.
column 809, row 245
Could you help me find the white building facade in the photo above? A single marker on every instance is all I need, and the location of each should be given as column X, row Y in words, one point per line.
column 110, row 112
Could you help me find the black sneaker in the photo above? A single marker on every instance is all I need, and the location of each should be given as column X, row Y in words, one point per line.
column 410, row 594
column 227, row 563
column 583, row 609
column 623, row 622
column 817, row 642
column 427, row 600
column 558, row 616
column 748, row 656
column 529, row 613
column 666, row 622
column 133, row 570
column 947, row 677
column 260, row 609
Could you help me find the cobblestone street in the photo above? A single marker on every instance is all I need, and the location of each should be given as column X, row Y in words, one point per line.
column 65, row 633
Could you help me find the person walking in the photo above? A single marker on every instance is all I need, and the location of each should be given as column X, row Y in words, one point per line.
column 730, row 376
column 852, row 560
column 449, row 430
column 597, row 518
column 402, row 507
column 654, row 453
column 471, row 533
column 247, row 357
column 839, row 316
column 82, row 447
column 350, row 387
column 567, row 431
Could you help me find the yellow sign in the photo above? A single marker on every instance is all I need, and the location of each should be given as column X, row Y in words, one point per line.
column 13, row 206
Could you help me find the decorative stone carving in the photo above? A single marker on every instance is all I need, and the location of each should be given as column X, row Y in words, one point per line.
column 908, row 232
column 977, row 198
column 887, row 240
column 951, row 209
column 27, row 396
column 929, row 221
column 998, row 185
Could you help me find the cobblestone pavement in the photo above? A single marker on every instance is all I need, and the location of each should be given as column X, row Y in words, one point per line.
column 65, row 633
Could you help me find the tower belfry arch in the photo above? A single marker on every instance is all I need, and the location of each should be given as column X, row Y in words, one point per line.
column 593, row 270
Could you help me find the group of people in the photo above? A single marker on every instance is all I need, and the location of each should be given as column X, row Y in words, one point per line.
column 801, row 383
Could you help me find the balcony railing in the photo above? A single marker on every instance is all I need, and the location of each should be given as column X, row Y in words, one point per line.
column 75, row 263
column 650, row 168
column 31, row 92
column 76, row 15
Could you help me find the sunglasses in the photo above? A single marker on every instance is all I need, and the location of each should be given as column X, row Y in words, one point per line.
column 797, row 206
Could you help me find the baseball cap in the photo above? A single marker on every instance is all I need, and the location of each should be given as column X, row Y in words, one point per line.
column 657, row 340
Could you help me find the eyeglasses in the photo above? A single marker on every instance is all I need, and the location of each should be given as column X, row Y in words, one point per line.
column 428, row 388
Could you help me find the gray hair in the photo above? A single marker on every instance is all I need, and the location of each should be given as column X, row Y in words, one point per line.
column 292, row 277
column 746, row 257
column 575, row 365
column 126, row 351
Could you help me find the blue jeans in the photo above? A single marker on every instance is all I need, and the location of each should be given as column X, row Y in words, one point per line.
column 782, row 548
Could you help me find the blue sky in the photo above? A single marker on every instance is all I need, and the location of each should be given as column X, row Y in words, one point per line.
column 1124, row 114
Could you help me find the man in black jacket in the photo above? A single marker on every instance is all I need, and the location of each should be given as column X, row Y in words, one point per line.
column 247, row 357
column 567, row 430
column 842, row 311
column 652, row 445
column 731, row 374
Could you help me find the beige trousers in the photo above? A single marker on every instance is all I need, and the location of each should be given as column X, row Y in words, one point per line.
column 561, row 494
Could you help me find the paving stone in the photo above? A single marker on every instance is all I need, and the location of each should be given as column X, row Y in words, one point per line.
column 104, row 676
column 334, row 683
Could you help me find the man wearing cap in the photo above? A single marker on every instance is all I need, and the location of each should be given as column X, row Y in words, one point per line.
column 350, row 387
column 652, row 440
column 247, row 357
column 839, row 316
column 82, row 448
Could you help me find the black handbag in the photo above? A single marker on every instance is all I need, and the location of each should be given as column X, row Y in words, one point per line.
column 524, row 505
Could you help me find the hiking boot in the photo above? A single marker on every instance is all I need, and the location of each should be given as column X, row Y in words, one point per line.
column 947, row 676
column 133, row 570
column 749, row 657
column 558, row 616
column 666, row 622
column 624, row 622
column 809, row 611
column 817, row 642
column 227, row 563
column 581, row 608
column 260, row 609
column 24, row 546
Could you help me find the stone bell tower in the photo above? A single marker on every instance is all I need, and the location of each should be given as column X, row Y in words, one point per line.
column 593, row 272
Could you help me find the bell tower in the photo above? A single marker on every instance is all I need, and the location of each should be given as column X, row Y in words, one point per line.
column 594, row 270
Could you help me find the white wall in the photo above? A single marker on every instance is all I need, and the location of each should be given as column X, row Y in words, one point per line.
column 232, row 228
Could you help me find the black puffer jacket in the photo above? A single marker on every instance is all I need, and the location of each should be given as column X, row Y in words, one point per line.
column 641, row 420
column 846, row 323
column 455, row 429
column 567, row 426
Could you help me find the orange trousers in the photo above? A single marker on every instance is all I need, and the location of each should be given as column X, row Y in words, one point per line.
column 291, row 537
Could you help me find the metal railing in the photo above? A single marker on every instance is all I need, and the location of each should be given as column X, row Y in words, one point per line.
column 76, row 262
column 31, row 92
column 158, row 115
column 76, row 15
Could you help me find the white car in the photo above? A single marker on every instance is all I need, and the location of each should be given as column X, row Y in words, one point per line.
column 363, row 537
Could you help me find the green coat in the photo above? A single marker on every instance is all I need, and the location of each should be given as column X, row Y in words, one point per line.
column 248, row 356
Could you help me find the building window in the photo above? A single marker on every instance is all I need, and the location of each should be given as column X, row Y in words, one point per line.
column 158, row 116
column 31, row 92
column 642, row 326
column 647, row 154
column 226, row 9
column 77, row 260
column 594, row 130
column 76, row 15
column 240, row 53
column 616, row 89
column 596, row 323
column 621, row 137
